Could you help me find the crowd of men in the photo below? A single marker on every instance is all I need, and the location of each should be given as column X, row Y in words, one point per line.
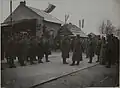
column 106, row 49
column 26, row 48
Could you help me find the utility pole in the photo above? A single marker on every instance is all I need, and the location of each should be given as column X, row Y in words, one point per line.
column 11, row 15
column 11, row 11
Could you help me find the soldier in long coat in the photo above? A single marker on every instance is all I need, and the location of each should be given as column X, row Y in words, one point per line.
column 72, row 44
column 110, row 50
column 90, row 49
column 103, row 52
column 65, row 48
column 10, row 52
column 77, row 51
column 39, row 49
column 23, row 50
column 46, row 48
column 86, row 47
column 98, row 48
column 32, row 50
column 115, row 49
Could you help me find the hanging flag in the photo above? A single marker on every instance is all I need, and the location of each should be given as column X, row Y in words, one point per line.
column 50, row 8
column 79, row 23
column 66, row 18
column 82, row 23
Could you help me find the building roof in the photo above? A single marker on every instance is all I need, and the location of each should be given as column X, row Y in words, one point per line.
column 47, row 16
column 73, row 29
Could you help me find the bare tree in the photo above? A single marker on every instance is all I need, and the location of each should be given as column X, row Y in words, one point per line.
column 102, row 28
column 107, row 28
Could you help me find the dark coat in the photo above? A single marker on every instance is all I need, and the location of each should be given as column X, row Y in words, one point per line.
column 98, row 47
column 32, row 49
column 91, row 48
column 10, row 49
column 39, row 49
column 103, row 52
column 46, row 46
column 65, row 48
column 77, row 50
column 110, row 48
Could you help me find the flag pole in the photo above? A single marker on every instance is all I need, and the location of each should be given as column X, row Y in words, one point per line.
column 11, row 15
column 11, row 11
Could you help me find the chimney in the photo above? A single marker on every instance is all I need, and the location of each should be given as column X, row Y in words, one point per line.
column 23, row 3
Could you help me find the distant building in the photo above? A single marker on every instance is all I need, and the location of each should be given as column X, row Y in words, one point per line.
column 25, row 13
column 72, row 30
column 117, row 33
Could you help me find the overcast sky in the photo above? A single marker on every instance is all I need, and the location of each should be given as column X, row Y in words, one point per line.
column 93, row 11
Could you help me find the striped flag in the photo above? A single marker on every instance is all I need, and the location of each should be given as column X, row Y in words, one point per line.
column 66, row 18
column 50, row 8
column 82, row 23
column 79, row 23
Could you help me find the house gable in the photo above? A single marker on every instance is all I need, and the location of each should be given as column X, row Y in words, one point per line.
column 23, row 12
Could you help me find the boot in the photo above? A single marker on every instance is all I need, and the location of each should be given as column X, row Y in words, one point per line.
column 46, row 56
column 78, row 62
column 72, row 63
column 64, row 61
column 90, row 60
column 97, row 59
column 40, row 61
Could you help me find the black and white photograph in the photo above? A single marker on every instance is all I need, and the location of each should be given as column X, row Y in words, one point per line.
column 60, row 43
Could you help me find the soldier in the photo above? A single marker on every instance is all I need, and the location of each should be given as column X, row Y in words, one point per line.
column 109, row 50
column 77, row 51
column 10, row 54
column 90, row 48
column 22, row 50
column 86, row 46
column 115, row 53
column 72, row 44
column 46, row 47
column 39, row 50
column 103, row 52
column 17, row 46
column 98, row 48
column 117, row 50
column 65, row 48
column 32, row 50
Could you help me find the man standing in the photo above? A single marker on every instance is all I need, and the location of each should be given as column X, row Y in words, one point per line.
column 32, row 50
column 46, row 47
column 98, row 48
column 90, row 48
column 65, row 48
column 10, row 52
column 77, row 51
column 40, row 52
column 110, row 51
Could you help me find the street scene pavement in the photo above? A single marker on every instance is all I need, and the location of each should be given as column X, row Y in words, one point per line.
column 96, row 76
column 30, row 75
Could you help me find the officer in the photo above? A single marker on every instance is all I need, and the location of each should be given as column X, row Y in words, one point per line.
column 10, row 54
column 39, row 49
column 77, row 51
column 46, row 47
column 90, row 49
column 98, row 48
column 22, row 50
column 65, row 48
column 32, row 50
column 110, row 50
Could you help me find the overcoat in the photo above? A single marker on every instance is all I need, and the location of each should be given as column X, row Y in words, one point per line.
column 77, row 51
column 65, row 48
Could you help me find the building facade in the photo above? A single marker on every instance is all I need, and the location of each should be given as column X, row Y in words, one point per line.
column 24, row 12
